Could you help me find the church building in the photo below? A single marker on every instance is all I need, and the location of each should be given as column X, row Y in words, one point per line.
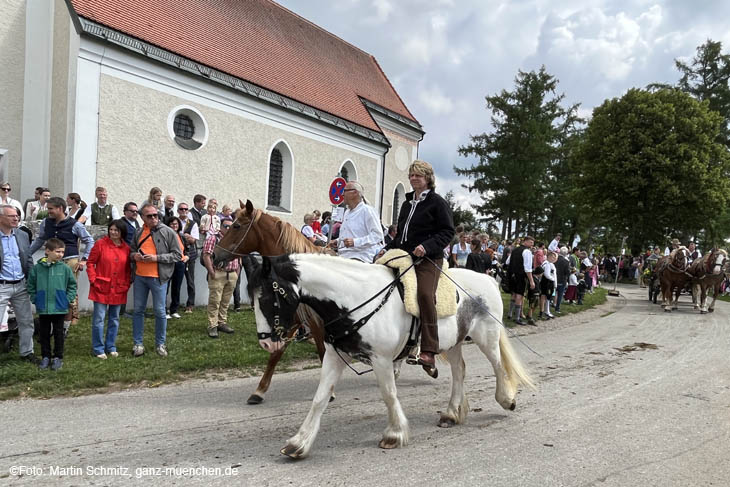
column 229, row 98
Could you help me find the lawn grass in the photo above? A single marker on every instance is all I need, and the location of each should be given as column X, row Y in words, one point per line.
column 191, row 354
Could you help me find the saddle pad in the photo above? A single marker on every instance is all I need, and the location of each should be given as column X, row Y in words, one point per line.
column 445, row 293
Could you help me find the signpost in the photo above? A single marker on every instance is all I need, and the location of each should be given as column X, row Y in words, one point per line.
column 337, row 197
column 337, row 191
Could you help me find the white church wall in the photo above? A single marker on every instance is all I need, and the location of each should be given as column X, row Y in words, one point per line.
column 12, row 60
column 136, row 97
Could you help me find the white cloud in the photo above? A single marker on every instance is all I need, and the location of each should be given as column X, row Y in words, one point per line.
column 438, row 103
column 383, row 8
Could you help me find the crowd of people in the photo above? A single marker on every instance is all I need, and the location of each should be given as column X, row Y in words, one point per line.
column 151, row 248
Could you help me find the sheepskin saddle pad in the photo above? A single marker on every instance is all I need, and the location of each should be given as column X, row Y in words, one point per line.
column 445, row 293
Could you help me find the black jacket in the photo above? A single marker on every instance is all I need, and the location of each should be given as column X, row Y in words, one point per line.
column 431, row 225
column 562, row 270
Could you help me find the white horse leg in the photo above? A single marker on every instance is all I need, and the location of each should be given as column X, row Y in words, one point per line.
column 396, row 433
column 715, row 292
column 458, row 404
column 696, row 292
column 396, row 368
column 299, row 445
column 488, row 343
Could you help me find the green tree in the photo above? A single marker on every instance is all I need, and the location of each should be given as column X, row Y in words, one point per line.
column 651, row 165
column 707, row 78
column 461, row 216
column 515, row 174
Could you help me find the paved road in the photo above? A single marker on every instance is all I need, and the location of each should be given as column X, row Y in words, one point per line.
column 606, row 413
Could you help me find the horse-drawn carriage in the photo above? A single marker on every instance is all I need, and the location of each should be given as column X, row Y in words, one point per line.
column 674, row 273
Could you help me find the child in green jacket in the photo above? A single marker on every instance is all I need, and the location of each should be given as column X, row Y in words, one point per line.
column 52, row 287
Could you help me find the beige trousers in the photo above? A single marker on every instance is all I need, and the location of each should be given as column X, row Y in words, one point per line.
column 220, row 291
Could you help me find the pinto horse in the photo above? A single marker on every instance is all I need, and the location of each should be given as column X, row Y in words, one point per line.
column 375, row 331
column 673, row 276
column 255, row 231
column 709, row 272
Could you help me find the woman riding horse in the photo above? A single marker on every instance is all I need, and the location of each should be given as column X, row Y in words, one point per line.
column 425, row 227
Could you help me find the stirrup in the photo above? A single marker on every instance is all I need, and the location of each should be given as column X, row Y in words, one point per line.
column 413, row 354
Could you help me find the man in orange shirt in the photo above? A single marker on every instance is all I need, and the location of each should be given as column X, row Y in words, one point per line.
column 155, row 249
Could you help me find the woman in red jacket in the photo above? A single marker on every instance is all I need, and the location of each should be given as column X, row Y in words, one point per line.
column 110, row 273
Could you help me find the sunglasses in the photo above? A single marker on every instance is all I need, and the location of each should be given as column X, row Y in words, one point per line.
column 5, row 189
column 152, row 215
column 182, row 209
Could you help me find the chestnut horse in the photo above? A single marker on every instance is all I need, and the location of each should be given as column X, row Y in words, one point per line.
column 255, row 231
column 673, row 275
column 709, row 272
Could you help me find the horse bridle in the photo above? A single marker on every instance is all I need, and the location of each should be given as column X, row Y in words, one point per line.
column 278, row 332
column 255, row 217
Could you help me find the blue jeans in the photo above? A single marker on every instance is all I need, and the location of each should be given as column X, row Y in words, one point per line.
column 560, row 292
column 142, row 287
column 98, row 345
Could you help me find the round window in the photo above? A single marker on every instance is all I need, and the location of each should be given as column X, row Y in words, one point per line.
column 187, row 127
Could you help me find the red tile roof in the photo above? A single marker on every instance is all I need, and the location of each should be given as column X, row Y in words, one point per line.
column 261, row 42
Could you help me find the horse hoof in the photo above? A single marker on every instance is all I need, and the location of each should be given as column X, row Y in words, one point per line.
column 388, row 443
column 446, row 422
column 291, row 451
column 332, row 397
column 255, row 399
column 667, row 310
column 702, row 312
column 513, row 406
column 711, row 310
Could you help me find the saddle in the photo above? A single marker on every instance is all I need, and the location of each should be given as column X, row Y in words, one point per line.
column 446, row 296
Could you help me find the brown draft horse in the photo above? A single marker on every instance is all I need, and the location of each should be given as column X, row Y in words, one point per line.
column 255, row 231
column 708, row 272
column 673, row 275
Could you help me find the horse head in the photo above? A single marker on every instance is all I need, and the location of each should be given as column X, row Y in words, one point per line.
column 680, row 258
column 243, row 237
column 718, row 262
column 274, row 293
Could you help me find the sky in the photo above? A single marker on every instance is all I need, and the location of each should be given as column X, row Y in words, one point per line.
column 444, row 56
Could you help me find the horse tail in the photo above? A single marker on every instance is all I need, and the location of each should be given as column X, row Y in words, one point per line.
column 516, row 373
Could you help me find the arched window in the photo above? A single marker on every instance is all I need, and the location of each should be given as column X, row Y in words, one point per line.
column 348, row 171
column 280, row 177
column 399, row 196
column 276, row 176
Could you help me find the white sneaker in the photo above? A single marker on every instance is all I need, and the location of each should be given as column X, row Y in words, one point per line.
column 176, row 316
column 138, row 350
column 101, row 356
column 113, row 354
column 161, row 350
column 168, row 316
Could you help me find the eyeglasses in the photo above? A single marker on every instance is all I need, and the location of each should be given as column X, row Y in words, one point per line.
column 152, row 215
column 182, row 209
column 132, row 211
column 4, row 189
column 12, row 216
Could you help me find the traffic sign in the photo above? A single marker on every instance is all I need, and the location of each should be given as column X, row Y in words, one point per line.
column 337, row 191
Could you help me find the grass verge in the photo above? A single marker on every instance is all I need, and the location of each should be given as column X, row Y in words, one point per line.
column 191, row 354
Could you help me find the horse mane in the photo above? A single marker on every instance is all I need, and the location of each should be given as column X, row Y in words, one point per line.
column 292, row 240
